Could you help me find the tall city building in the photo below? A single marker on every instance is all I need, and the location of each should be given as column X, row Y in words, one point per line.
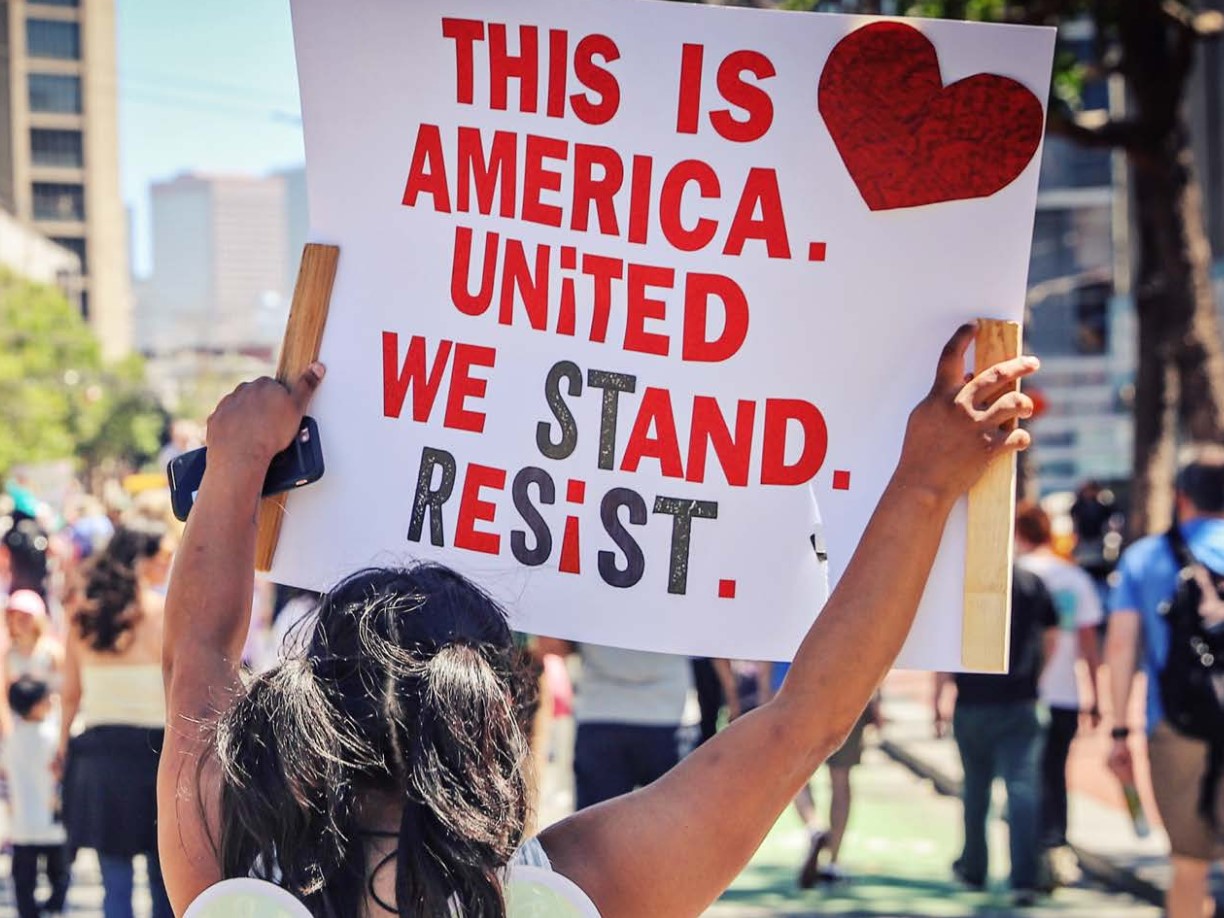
column 297, row 221
column 220, row 265
column 32, row 256
column 59, row 146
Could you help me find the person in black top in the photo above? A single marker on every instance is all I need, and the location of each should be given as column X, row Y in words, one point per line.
column 25, row 542
column 1091, row 512
column 999, row 734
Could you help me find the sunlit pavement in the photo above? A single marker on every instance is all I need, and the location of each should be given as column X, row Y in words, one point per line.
column 85, row 896
column 902, row 840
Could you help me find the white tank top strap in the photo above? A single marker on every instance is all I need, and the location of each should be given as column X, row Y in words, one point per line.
column 530, row 854
column 532, row 888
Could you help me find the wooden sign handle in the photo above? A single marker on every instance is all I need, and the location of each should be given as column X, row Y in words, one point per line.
column 992, row 515
column 303, row 336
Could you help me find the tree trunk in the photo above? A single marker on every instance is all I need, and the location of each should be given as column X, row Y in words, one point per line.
column 1201, row 355
column 1156, row 390
column 1179, row 384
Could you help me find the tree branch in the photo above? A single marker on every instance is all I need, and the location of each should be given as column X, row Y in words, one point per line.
column 1202, row 24
column 1095, row 129
column 1192, row 26
column 1043, row 12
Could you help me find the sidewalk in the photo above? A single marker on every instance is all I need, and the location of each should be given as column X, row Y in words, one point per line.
column 1100, row 829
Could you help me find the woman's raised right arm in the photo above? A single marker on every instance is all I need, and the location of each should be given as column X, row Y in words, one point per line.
column 673, row 847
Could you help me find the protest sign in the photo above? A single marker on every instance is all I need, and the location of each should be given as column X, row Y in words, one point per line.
column 635, row 297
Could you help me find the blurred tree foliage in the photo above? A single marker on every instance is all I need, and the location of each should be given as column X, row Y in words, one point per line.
column 57, row 398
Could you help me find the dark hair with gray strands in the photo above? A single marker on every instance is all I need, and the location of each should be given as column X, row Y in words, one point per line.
column 412, row 687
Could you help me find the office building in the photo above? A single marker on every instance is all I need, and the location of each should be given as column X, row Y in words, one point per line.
column 59, row 146
column 297, row 221
column 1078, row 324
column 30, row 255
column 220, row 271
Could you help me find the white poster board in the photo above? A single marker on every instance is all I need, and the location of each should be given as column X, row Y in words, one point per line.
column 635, row 297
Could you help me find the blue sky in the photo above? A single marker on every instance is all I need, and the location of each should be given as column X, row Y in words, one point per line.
column 203, row 87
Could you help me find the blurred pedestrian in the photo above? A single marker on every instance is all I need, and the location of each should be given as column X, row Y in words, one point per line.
column 292, row 624
column 6, row 562
column 1079, row 615
column 825, row 838
column 88, row 526
column 1185, row 768
column 1098, row 523
column 629, row 706
column 113, row 682
column 153, row 511
column 32, row 649
column 184, row 436
column 35, row 829
column 259, row 652
column 26, row 543
column 716, row 689
column 1092, row 511
column 998, row 731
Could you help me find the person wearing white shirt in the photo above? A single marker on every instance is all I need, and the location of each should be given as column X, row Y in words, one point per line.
column 36, row 831
column 1079, row 617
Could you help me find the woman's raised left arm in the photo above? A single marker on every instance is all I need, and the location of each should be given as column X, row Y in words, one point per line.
column 208, row 609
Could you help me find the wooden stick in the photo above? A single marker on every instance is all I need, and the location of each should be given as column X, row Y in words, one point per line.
column 303, row 335
column 992, row 514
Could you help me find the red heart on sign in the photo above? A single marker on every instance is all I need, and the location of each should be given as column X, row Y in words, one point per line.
column 908, row 140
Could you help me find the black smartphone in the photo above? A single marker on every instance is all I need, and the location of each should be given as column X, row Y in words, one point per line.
column 297, row 466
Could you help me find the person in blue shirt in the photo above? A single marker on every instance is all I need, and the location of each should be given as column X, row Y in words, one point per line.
column 1137, row 635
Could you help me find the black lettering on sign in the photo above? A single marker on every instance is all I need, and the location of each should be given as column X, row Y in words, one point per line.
column 635, row 561
column 430, row 499
column 682, row 535
column 532, row 557
column 567, row 370
column 613, row 384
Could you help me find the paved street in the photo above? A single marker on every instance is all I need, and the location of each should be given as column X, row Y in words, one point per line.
column 85, row 898
column 902, row 839
column 903, row 836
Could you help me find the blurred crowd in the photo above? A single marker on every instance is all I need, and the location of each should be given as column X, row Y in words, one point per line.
column 83, row 713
